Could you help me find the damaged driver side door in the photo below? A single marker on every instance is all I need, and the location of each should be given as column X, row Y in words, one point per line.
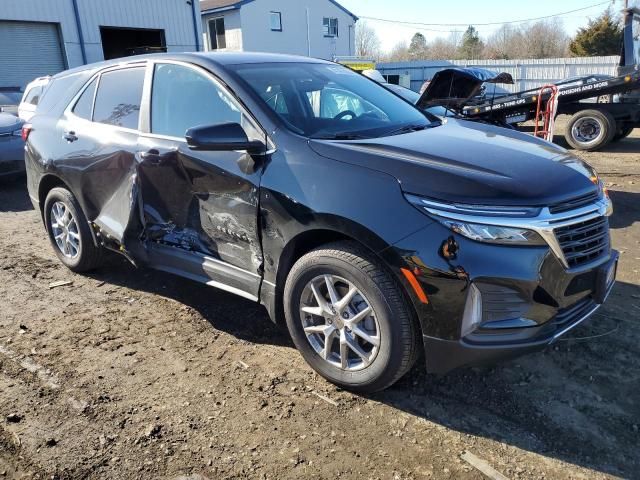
column 199, row 208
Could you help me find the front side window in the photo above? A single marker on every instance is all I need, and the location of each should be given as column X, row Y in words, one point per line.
column 276, row 21
column 321, row 100
column 217, row 36
column 119, row 96
column 330, row 27
column 183, row 98
column 84, row 106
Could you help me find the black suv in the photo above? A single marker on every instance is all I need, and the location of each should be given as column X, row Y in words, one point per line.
column 367, row 225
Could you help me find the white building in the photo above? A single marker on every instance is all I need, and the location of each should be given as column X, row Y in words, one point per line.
column 315, row 28
column 43, row 37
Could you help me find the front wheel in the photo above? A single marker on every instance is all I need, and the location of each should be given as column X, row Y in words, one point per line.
column 69, row 232
column 349, row 318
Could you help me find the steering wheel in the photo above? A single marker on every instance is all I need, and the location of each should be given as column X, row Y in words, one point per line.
column 346, row 113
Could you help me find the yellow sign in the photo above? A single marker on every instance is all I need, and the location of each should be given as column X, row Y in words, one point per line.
column 358, row 65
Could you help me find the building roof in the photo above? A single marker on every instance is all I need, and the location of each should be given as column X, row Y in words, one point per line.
column 216, row 4
column 212, row 6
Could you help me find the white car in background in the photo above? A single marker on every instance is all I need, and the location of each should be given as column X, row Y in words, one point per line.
column 31, row 98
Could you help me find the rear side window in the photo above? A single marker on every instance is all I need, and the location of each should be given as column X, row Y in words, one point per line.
column 119, row 97
column 84, row 105
column 33, row 96
column 61, row 90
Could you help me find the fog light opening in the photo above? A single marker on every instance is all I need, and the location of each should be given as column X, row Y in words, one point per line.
column 472, row 311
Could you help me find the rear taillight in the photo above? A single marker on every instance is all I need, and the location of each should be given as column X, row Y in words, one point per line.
column 26, row 130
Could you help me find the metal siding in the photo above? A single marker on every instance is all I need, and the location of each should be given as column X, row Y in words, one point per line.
column 33, row 50
column 172, row 16
column 527, row 73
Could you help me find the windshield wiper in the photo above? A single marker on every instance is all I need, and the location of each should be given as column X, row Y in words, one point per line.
column 340, row 136
column 414, row 127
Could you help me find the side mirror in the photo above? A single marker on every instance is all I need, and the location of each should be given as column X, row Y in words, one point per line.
column 222, row 137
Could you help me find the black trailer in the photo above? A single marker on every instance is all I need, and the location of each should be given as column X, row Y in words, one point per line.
column 593, row 124
column 603, row 108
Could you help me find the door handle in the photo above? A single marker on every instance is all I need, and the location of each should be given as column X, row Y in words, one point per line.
column 154, row 157
column 70, row 136
column 152, row 154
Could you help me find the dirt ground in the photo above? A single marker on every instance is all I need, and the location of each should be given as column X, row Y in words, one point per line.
column 128, row 374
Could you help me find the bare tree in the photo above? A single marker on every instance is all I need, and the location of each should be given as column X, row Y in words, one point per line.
column 367, row 41
column 500, row 45
column 442, row 49
column 542, row 39
column 399, row 53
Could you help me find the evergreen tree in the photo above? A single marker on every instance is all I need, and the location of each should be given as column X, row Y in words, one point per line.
column 603, row 36
column 471, row 46
column 418, row 46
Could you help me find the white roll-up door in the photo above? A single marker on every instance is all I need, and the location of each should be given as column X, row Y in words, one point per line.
column 28, row 50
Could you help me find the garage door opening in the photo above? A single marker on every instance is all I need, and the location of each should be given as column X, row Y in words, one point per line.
column 124, row 42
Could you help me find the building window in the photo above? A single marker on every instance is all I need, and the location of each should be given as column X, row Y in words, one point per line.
column 217, row 37
column 330, row 26
column 276, row 21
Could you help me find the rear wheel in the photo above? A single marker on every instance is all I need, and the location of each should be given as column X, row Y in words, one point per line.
column 624, row 130
column 349, row 319
column 69, row 232
column 590, row 130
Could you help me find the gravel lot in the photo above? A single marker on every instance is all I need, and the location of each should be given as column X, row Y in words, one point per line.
column 131, row 373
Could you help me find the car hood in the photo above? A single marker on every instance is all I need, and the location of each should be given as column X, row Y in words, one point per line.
column 9, row 123
column 454, row 87
column 469, row 162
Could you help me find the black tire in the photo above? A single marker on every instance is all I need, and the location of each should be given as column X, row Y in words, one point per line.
column 398, row 333
column 624, row 131
column 600, row 122
column 87, row 256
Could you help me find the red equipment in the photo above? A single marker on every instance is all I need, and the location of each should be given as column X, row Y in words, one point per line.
column 548, row 115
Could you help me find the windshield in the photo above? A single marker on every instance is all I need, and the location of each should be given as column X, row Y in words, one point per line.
column 330, row 101
column 408, row 95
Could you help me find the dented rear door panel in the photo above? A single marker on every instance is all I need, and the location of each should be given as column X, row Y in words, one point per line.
column 100, row 167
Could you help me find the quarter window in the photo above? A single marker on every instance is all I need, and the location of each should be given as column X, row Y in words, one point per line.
column 217, row 35
column 330, row 27
column 84, row 105
column 33, row 97
column 276, row 21
column 118, row 98
column 183, row 98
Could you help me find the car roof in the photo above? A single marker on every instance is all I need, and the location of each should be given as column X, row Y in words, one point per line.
column 215, row 58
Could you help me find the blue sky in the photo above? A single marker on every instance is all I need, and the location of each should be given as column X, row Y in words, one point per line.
column 465, row 11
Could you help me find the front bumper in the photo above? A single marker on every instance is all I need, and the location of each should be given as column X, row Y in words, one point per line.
column 443, row 356
column 529, row 297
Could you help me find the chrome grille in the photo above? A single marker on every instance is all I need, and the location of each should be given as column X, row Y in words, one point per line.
column 574, row 203
column 584, row 242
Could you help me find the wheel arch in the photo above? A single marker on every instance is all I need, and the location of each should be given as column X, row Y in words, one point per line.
column 315, row 237
column 47, row 183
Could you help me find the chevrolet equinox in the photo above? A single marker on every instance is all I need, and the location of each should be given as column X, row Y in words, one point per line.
column 374, row 230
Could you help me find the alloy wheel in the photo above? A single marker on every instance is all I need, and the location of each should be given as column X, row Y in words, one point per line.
column 65, row 230
column 339, row 322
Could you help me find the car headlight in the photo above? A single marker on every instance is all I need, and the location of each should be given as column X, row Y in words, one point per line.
column 493, row 233
column 446, row 214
